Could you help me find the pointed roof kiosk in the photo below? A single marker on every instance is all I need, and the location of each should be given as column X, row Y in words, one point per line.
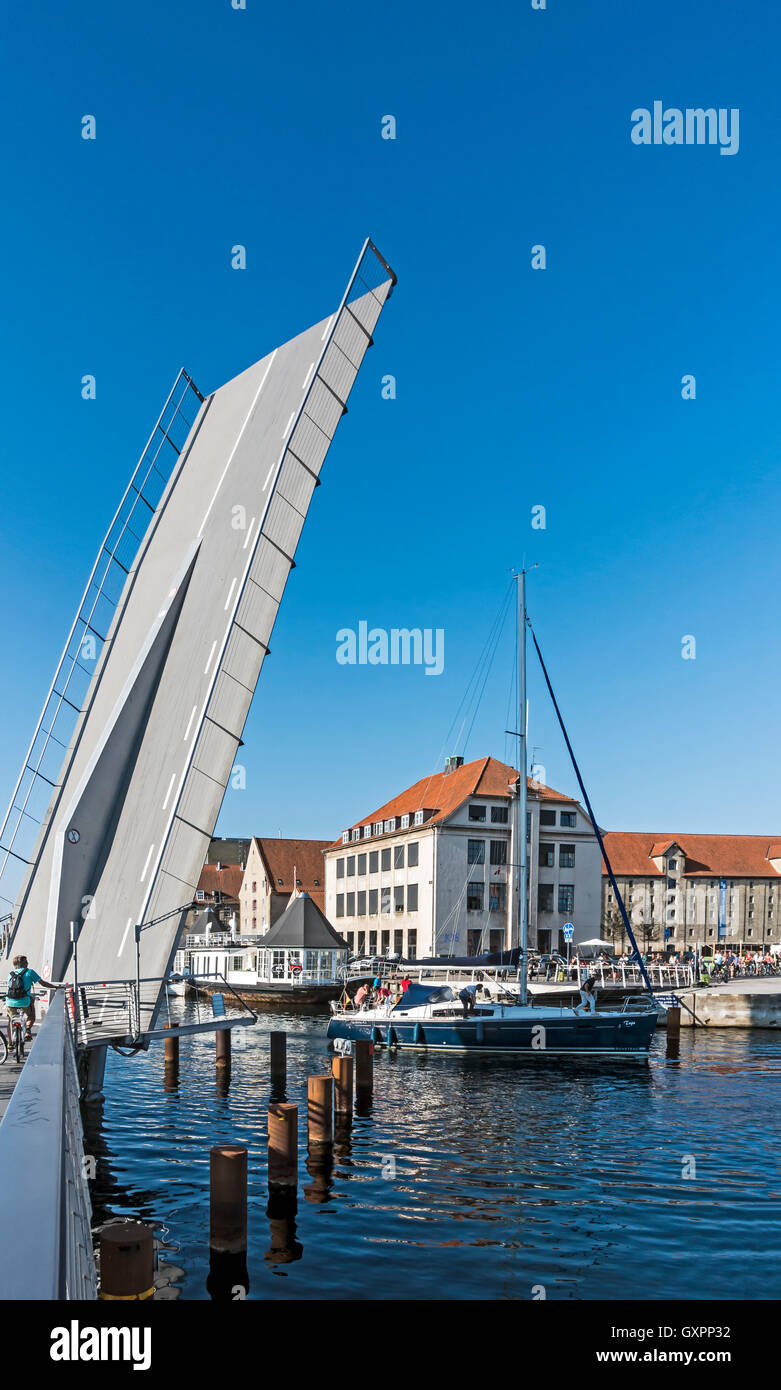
column 303, row 937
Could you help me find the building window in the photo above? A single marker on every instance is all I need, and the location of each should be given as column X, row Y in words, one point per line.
column 378, row 827
column 418, row 817
column 350, row 904
column 346, row 837
column 374, row 861
column 254, row 923
column 477, row 812
column 361, row 864
column 317, row 883
column 398, row 856
column 567, row 857
column 254, row 887
column 412, row 897
column 200, row 896
column 497, row 897
column 254, row 904
column 475, row 852
column 499, row 815
column 671, row 915
column 672, row 863
column 545, row 897
column 474, row 897
column 372, row 943
column 547, row 856
column 412, row 855
column 547, row 817
column 568, row 818
column 405, row 822
column 528, row 825
column 390, row 824
column 385, row 900
column 498, row 852
column 340, row 904
column 398, row 897
column 566, row 897
column 412, row 944
column 362, row 904
column 386, row 860
column 340, row 868
column 373, row 902
column 356, row 833
column 367, row 830
column 351, row 866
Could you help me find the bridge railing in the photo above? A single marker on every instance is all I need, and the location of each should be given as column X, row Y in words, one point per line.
column 43, row 1193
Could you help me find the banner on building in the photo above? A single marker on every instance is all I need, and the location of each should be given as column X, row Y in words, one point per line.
column 722, row 908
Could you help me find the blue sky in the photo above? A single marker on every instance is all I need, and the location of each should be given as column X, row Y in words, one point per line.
column 515, row 387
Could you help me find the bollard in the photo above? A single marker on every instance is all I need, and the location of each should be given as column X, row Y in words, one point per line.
column 171, row 1050
column 343, row 1085
column 127, row 1261
column 364, row 1064
column 222, row 1039
column 228, row 1198
column 673, row 1022
column 283, row 1144
column 319, row 1095
column 278, row 1058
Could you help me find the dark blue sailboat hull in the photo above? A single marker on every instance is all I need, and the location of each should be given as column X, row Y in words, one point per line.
column 588, row 1035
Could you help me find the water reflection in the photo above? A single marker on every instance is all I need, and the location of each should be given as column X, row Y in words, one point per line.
column 569, row 1175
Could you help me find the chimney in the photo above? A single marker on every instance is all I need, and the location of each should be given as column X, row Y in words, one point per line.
column 452, row 763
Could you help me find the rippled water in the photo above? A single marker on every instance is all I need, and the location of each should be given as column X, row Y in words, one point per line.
column 470, row 1177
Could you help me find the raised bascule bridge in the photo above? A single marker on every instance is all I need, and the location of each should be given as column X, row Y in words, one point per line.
column 108, row 825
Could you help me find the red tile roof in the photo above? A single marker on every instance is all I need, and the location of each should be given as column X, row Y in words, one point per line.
column 305, row 856
column 720, row 856
column 226, row 880
column 442, row 793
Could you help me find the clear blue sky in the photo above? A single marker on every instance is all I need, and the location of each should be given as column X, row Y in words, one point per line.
column 515, row 387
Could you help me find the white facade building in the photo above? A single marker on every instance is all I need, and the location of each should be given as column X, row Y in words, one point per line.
column 435, row 870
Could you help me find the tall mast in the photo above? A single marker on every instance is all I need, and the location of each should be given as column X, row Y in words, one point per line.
column 522, row 789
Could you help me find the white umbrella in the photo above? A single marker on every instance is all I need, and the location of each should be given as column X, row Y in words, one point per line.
column 595, row 941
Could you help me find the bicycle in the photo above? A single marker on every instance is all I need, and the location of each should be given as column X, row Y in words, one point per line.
column 3, row 1047
column 18, row 1025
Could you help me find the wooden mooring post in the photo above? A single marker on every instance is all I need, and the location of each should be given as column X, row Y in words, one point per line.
column 127, row 1261
column 228, row 1198
column 320, row 1098
column 282, row 1144
column 343, row 1085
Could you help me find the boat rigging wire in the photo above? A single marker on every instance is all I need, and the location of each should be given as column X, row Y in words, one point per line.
column 592, row 817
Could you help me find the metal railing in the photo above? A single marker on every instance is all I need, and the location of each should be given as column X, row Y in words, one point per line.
column 68, row 694
column 44, row 1194
column 127, row 1013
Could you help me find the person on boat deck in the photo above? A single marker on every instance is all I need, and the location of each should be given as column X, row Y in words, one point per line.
column 588, row 999
column 361, row 996
column 384, row 993
column 405, row 984
column 468, row 997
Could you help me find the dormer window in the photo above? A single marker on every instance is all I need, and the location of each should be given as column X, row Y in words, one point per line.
column 418, row 817
column 346, row 837
column 367, row 830
column 390, row 824
column 356, row 834
column 378, row 827
column 405, row 822
column 672, row 863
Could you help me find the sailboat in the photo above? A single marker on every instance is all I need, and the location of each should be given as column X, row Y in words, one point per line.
column 434, row 1016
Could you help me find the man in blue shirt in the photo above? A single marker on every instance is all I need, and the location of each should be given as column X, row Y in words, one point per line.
column 18, row 993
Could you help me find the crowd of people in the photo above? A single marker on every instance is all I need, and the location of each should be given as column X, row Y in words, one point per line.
column 380, row 991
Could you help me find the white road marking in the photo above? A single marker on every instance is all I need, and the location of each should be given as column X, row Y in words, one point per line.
column 268, row 475
column 286, row 430
column 238, row 441
column 230, row 593
column 211, row 654
column 189, row 724
column 305, row 382
column 170, row 789
column 146, row 863
column 124, row 937
column 249, row 532
column 325, row 330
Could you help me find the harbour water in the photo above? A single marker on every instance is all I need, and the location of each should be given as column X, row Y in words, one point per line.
column 471, row 1177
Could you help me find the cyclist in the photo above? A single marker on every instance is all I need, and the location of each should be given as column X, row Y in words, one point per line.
column 18, row 994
